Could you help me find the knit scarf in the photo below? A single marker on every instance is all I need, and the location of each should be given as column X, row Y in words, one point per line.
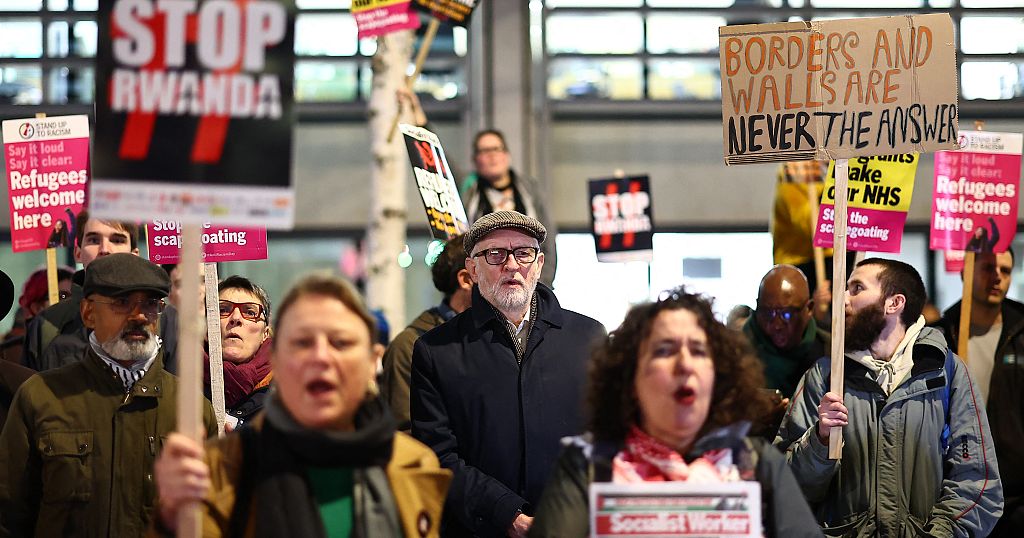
column 645, row 459
column 241, row 380
column 277, row 458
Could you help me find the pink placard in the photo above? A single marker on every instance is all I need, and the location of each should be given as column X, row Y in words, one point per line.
column 974, row 205
column 866, row 229
column 954, row 260
column 220, row 243
column 381, row 17
column 47, row 162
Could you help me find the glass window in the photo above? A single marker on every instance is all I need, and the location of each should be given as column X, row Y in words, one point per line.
column 701, row 3
column 594, row 3
column 21, row 84
column 572, row 78
column 85, row 38
column 325, row 81
column 684, row 79
column 21, row 38
column 616, row 33
column 682, row 33
column 992, row 35
column 867, row 3
column 23, row 5
column 325, row 35
column 991, row 3
column 71, row 85
column 57, row 39
column 441, row 84
column 992, row 80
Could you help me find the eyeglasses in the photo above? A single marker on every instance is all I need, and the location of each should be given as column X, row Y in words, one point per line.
column 498, row 256
column 249, row 311
column 489, row 150
column 769, row 314
column 148, row 307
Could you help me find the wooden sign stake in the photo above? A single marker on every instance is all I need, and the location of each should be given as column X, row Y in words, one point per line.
column 190, row 374
column 421, row 56
column 842, row 168
column 214, row 349
column 965, row 306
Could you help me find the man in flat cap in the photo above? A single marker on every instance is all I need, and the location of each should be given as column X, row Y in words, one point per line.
column 495, row 388
column 77, row 451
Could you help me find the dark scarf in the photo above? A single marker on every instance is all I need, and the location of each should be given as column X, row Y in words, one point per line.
column 240, row 380
column 485, row 204
column 277, row 457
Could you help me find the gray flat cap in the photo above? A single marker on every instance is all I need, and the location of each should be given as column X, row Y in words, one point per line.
column 501, row 220
column 122, row 273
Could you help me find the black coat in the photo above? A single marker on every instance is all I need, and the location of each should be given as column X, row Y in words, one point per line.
column 495, row 423
column 1005, row 408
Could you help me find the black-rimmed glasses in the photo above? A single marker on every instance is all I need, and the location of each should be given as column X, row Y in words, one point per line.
column 498, row 256
column 148, row 307
column 249, row 311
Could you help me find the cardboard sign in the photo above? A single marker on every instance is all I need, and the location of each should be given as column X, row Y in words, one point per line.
column 194, row 111
column 445, row 213
column 838, row 89
column 880, row 189
column 220, row 243
column 379, row 17
column 954, row 260
column 621, row 218
column 47, row 161
column 675, row 509
column 454, row 11
column 974, row 206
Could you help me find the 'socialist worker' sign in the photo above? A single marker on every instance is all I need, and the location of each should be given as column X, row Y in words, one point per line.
column 194, row 111
column 621, row 218
column 974, row 206
column 838, row 89
column 445, row 214
column 47, row 161
column 879, row 197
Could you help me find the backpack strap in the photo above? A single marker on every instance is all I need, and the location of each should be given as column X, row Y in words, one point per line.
column 944, row 437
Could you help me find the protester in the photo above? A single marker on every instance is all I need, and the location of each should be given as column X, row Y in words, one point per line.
column 35, row 296
column 995, row 360
column 670, row 395
column 323, row 459
column 782, row 330
column 738, row 316
column 495, row 388
column 917, row 456
column 174, row 271
column 12, row 375
column 245, row 345
column 57, row 336
column 78, row 448
column 452, row 279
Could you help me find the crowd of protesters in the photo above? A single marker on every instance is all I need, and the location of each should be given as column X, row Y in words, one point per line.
column 496, row 411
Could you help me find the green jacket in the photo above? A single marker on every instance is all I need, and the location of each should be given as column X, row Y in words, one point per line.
column 77, row 452
column 397, row 365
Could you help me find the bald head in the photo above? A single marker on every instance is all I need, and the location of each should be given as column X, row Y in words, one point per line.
column 784, row 306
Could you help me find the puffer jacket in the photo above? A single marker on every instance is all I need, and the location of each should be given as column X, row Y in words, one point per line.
column 894, row 478
column 77, row 452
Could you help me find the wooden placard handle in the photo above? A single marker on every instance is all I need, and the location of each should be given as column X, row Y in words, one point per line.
column 410, row 81
column 835, row 435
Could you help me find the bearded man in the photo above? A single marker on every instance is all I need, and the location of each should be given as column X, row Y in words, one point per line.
column 77, row 451
column 495, row 388
column 917, row 456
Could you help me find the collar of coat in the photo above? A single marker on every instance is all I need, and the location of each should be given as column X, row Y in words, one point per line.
column 929, row 354
column 548, row 309
column 149, row 386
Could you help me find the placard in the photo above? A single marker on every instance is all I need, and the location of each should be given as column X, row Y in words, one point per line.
column 47, row 161
column 379, row 17
column 220, row 243
column 838, row 88
column 974, row 205
column 194, row 111
column 880, row 189
column 954, row 260
column 445, row 214
column 621, row 218
column 454, row 11
column 662, row 509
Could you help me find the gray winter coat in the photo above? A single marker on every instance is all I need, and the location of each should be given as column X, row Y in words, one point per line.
column 894, row 478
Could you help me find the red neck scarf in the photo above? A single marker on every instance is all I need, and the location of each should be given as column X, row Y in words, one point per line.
column 646, row 459
column 241, row 380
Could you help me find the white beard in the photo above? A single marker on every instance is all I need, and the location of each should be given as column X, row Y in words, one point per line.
column 120, row 349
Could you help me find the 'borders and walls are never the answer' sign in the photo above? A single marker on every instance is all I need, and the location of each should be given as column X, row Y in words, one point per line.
column 194, row 111
column 974, row 204
column 445, row 214
column 621, row 218
column 47, row 161
column 879, row 197
column 220, row 243
column 837, row 89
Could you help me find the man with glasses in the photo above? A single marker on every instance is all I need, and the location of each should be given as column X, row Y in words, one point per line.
column 495, row 388
column 77, row 451
column 782, row 329
column 495, row 186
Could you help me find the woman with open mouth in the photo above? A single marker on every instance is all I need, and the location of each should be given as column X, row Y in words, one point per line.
column 671, row 396
column 323, row 458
